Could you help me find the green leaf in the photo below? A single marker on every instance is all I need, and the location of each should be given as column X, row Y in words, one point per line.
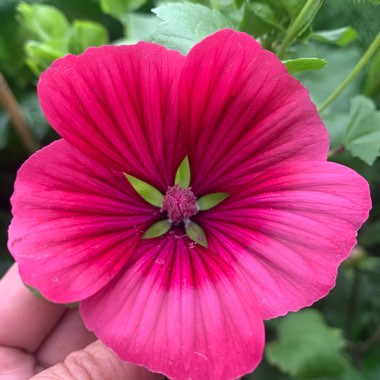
column 157, row 229
column 11, row 47
column 300, row 25
column 85, row 34
column 370, row 362
column 183, row 176
column 291, row 7
column 341, row 37
column 119, row 8
column 226, row 5
column 265, row 13
column 45, row 21
column 259, row 19
column 362, row 137
column 40, row 56
column 146, row 191
column 211, row 200
column 306, row 348
column 185, row 24
column 195, row 232
column 238, row 3
column 321, row 83
column 140, row 26
column 303, row 64
column 362, row 15
column 48, row 31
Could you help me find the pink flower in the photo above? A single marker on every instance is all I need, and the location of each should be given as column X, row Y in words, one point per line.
column 250, row 131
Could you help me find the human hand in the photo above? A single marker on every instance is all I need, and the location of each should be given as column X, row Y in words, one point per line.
column 40, row 340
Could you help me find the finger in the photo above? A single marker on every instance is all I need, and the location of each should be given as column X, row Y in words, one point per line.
column 16, row 364
column 68, row 335
column 25, row 319
column 96, row 362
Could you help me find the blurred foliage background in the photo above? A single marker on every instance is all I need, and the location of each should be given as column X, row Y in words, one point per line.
column 339, row 337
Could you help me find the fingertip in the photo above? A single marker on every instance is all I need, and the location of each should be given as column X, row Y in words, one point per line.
column 96, row 362
column 38, row 315
column 69, row 335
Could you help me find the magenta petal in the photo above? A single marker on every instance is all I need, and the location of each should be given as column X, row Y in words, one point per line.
column 180, row 310
column 75, row 223
column 118, row 105
column 289, row 229
column 242, row 112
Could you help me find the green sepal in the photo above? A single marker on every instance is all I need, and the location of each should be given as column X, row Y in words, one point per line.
column 195, row 232
column 146, row 191
column 37, row 293
column 157, row 229
column 182, row 177
column 211, row 200
column 72, row 305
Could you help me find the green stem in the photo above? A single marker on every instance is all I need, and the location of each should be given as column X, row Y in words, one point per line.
column 375, row 45
column 295, row 26
column 17, row 117
column 371, row 341
column 352, row 304
column 335, row 151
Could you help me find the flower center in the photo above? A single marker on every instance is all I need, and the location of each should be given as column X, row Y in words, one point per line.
column 179, row 203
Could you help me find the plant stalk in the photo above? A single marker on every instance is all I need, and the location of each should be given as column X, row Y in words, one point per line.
column 372, row 49
column 294, row 26
column 12, row 108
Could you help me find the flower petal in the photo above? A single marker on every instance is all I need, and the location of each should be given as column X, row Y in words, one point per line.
column 181, row 310
column 118, row 105
column 242, row 111
column 75, row 223
column 289, row 230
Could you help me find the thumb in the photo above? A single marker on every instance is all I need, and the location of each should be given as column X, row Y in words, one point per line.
column 95, row 362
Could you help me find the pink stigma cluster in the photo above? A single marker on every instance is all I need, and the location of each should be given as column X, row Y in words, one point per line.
column 179, row 203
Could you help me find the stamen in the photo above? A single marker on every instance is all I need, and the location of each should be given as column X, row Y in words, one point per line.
column 179, row 203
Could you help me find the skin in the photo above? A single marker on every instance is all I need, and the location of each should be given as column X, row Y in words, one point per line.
column 40, row 340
